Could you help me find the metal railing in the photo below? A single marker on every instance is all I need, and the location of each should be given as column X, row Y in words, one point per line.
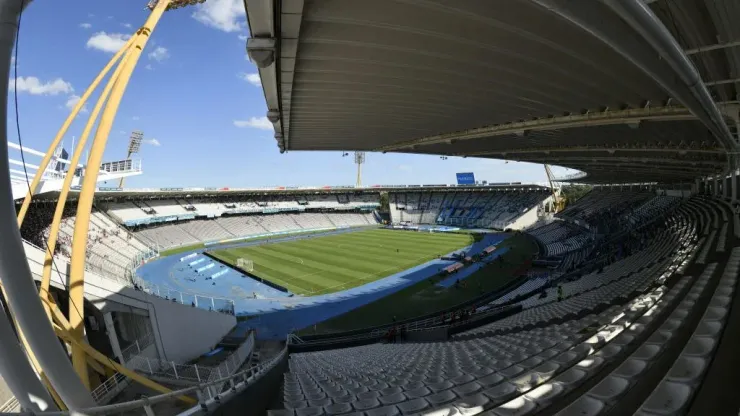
column 206, row 397
column 10, row 406
column 110, row 388
column 188, row 372
column 168, row 369
column 234, row 361
column 418, row 325
column 138, row 345
column 197, row 300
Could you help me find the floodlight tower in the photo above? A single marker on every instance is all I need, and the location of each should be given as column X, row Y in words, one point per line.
column 174, row 4
column 134, row 145
column 359, row 160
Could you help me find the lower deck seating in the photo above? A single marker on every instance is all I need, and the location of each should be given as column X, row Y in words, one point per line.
column 111, row 250
column 579, row 356
column 196, row 231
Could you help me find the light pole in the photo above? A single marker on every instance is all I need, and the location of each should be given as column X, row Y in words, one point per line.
column 134, row 145
column 359, row 160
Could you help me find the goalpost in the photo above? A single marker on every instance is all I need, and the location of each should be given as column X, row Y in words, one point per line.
column 245, row 264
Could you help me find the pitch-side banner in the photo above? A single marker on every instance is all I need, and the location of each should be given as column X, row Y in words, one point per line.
column 466, row 178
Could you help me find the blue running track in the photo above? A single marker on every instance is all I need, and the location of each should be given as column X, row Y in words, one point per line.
column 280, row 312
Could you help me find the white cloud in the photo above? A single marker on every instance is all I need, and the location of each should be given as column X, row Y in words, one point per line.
column 243, row 38
column 226, row 15
column 106, row 42
column 149, row 67
column 85, row 25
column 34, row 86
column 253, row 79
column 261, row 123
column 126, row 25
column 135, row 118
column 159, row 54
column 153, row 142
column 72, row 101
column 405, row 168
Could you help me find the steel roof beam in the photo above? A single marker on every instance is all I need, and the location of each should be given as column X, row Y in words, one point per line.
column 630, row 28
column 647, row 171
column 688, row 164
column 644, row 21
column 263, row 50
column 722, row 82
column 708, row 48
column 588, row 149
column 630, row 163
column 589, row 119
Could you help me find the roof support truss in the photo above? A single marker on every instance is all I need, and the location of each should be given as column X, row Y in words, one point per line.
column 581, row 149
column 587, row 119
column 652, row 49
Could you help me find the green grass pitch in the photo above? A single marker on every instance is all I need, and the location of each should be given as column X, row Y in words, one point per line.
column 333, row 263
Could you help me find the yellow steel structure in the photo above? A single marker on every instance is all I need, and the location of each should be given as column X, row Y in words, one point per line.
column 60, row 207
column 72, row 330
column 87, row 191
column 64, row 192
column 63, row 329
column 62, row 131
column 557, row 200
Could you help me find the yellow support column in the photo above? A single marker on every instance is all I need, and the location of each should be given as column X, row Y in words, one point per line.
column 56, row 221
column 62, row 328
column 87, row 192
column 46, row 278
column 62, row 131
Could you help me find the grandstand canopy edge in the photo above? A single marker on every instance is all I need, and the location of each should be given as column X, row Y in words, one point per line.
column 184, row 193
column 514, row 80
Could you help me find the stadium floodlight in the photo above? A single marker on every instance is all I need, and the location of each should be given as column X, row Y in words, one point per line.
column 174, row 4
column 359, row 160
column 134, row 144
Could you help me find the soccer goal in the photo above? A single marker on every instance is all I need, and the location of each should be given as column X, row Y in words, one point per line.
column 245, row 264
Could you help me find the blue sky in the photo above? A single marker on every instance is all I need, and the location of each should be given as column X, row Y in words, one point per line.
column 196, row 98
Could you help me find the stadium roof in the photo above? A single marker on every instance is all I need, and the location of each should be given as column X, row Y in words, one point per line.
column 106, row 193
column 627, row 91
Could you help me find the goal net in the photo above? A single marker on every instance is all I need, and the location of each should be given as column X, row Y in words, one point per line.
column 245, row 264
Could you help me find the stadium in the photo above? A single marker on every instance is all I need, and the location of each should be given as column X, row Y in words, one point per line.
column 608, row 291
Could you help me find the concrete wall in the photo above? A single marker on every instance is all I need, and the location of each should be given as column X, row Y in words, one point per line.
column 526, row 220
column 186, row 332
column 683, row 193
column 182, row 331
